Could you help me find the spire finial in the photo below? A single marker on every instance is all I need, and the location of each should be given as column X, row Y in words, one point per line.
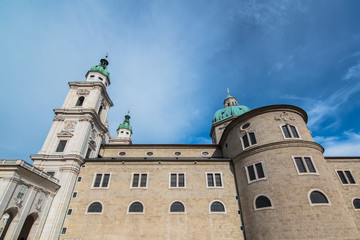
column 128, row 111
column 228, row 91
column 107, row 55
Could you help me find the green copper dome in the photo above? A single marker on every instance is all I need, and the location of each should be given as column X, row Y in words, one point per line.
column 101, row 68
column 126, row 123
column 230, row 111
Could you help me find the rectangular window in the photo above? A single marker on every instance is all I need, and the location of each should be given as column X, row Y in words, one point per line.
column 248, row 139
column 51, row 173
column 346, row 177
column 79, row 179
column 61, row 146
column 74, row 194
column 177, row 180
column 214, row 180
column 255, row 172
column 304, row 165
column 101, row 180
column 139, row 180
column 63, row 231
column 290, row 131
column 69, row 212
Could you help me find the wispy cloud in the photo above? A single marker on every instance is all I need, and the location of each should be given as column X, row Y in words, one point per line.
column 346, row 145
column 324, row 109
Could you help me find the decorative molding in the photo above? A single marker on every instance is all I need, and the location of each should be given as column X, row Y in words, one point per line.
column 83, row 92
column 70, row 126
column 38, row 207
column 65, row 134
column 285, row 117
column 59, row 118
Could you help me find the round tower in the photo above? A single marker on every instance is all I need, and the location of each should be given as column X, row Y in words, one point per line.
column 285, row 187
column 123, row 132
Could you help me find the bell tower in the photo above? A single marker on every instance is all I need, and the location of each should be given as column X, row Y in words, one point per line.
column 79, row 128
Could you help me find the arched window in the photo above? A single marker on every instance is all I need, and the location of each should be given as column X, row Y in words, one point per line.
column 136, row 207
column 177, row 207
column 100, row 109
column 317, row 197
column 356, row 203
column 262, row 202
column 80, row 101
column 217, row 206
column 95, row 207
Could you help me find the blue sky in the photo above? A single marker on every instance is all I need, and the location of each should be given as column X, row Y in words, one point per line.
column 172, row 61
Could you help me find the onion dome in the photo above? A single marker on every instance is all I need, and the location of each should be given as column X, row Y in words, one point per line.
column 101, row 68
column 125, row 124
column 232, row 109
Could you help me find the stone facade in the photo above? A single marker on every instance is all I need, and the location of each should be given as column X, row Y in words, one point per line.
column 262, row 178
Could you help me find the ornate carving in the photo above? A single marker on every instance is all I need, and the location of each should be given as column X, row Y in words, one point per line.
column 65, row 134
column 18, row 202
column 86, row 118
column 83, row 92
column 70, row 126
column 285, row 117
column 93, row 135
column 38, row 207
column 59, row 118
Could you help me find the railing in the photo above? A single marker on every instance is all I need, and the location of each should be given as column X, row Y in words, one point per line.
column 29, row 167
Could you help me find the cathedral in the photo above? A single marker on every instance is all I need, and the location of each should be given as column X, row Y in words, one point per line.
column 263, row 177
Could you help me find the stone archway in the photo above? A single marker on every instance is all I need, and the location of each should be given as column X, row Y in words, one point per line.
column 29, row 222
column 6, row 220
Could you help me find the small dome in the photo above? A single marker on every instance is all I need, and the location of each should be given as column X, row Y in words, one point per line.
column 230, row 111
column 125, row 124
column 100, row 69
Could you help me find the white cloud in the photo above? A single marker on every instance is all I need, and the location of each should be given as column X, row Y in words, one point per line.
column 346, row 145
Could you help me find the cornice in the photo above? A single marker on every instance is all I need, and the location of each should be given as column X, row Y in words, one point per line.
column 278, row 145
column 259, row 111
column 44, row 157
column 88, row 115
column 166, row 146
column 90, row 85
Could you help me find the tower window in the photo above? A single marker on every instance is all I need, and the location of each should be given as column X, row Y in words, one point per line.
column 100, row 78
column 136, row 207
column 217, row 206
column 51, row 173
column 69, row 212
column 74, row 194
column 214, row 180
column 255, row 172
column 248, row 140
column 79, row 179
column 101, row 180
column 290, row 131
column 122, row 153
column 177, row 180
column 262, row 202
column 177, row 154
column 95, row 207
column 177, row 207
column 346, row 177
column 304, row 165
column 61, row 146
column 139, row 180
column 63, row 231
column 317, row 197
column 80, row 101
